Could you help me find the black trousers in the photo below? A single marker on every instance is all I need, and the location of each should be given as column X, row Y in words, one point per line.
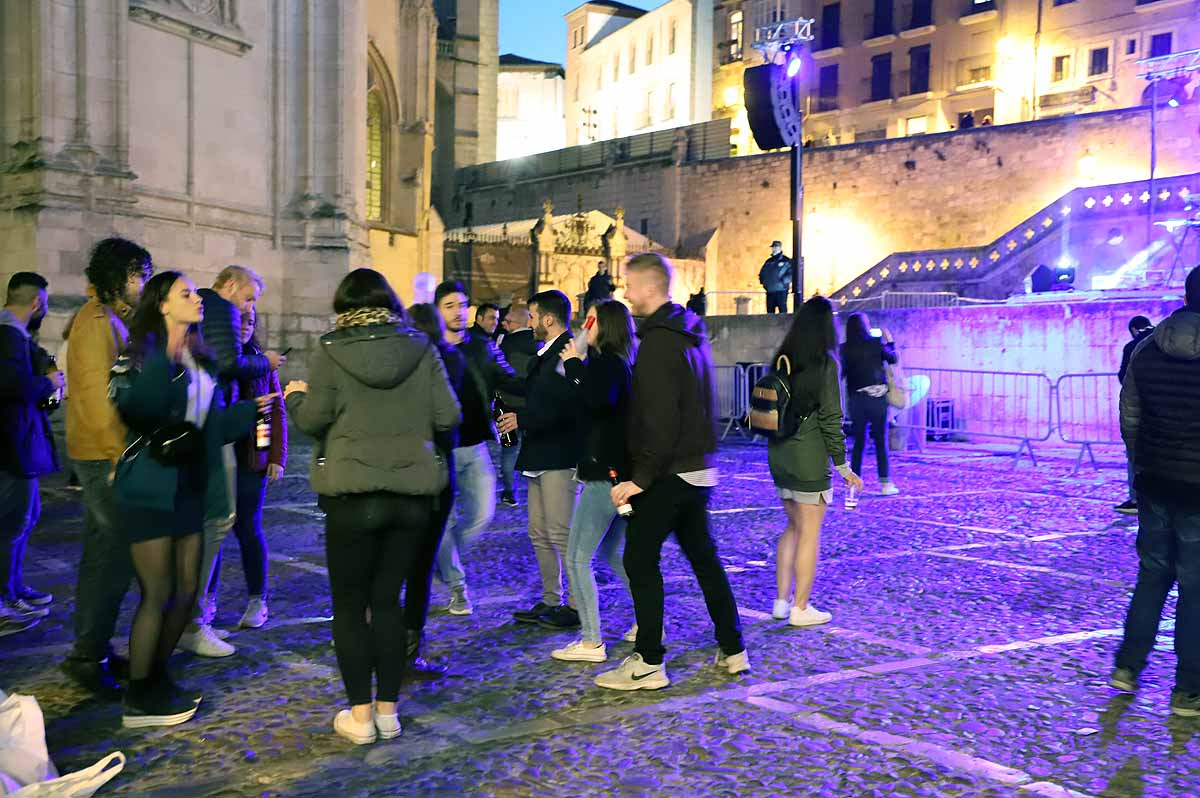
column 777, row 301
column 672, row 505
column 420, row 578
column 871, row 410
column 371, row 540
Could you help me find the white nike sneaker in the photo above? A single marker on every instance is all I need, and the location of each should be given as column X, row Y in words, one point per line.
column 578, row 651
column 634, row 674
column 631, row 635
column 734, row 663
column 781, row 609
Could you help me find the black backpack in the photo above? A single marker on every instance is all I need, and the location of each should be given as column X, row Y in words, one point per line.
column 770, row 401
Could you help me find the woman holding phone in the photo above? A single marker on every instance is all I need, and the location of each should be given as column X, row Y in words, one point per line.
column 863, row 356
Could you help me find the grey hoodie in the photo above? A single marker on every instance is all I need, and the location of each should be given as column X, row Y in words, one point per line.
column 376, row 395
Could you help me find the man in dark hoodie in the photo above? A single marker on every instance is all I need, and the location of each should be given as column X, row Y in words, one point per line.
column 672, row 443
column 475, row 504
column 235, row 291
column 1160, row 422
column 26, row 446
column 1140, row 328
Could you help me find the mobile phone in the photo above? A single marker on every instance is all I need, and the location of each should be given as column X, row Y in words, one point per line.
column 876, row 332
column 284, row 353
column 589, row 322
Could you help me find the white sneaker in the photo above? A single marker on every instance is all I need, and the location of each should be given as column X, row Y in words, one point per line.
column 388, row 726
column 734, row 663
column 205, row 643
column 255, row 615
column 781, row 609
column 809, row 616
column 634, row 674
column 889, row 489
column 580, row 652
column 358, row 733
column 631, row 635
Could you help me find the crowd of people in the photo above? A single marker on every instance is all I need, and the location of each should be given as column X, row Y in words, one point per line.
column 177, row 424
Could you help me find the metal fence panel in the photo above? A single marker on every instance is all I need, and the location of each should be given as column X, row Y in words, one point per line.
column 733, row 398
column 1089, row 407
column 992, row 404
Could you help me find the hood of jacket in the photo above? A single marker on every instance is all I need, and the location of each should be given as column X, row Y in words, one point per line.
column 676, row 319
column 7, row 319
column 377, row 355
column 1178, row 336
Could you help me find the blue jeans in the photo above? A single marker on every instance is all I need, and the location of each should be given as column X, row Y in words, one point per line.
column 508, row 465
column 474, row 507
column 1168, row 546
column 105, row 569
column 595, row 526
column 20, row 506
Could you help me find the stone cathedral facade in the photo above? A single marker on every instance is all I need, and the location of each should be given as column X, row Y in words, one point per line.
column 293, row 136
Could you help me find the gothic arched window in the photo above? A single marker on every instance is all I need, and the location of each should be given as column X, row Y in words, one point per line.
column 377, row 125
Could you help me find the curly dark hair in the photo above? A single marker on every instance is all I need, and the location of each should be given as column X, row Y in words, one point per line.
column 112, row 262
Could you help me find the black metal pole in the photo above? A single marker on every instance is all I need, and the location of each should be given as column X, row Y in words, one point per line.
column 797, row 224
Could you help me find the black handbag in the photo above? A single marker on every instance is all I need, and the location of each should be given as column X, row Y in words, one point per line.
column 175, row 444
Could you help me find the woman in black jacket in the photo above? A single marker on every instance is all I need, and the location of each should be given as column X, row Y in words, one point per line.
column 601, row 389
column 863, row 356
column 377, row 399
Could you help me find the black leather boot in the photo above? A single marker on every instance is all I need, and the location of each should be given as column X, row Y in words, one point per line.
column 418, row 667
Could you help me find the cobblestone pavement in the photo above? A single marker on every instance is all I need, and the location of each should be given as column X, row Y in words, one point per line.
column 974, row 620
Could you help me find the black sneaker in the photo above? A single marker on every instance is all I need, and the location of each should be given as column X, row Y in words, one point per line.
column 560, row 618
column 95, row 677
column 1124, row 679
column 532, row 614
column 156, row 707
column 423, row 670
column 35, row 598
column 1185, row 705
column 13, row 625
column 1127, row 508
column 508, row 499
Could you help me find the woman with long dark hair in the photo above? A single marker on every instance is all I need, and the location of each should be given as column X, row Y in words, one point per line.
column 169, row 480
column 601, row 387
column 377, row 397
column 863, row 356
column 428, row 319
column 800, row 463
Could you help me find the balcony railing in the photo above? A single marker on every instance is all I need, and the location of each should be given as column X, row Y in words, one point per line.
column 824, row 104
column 974, row 71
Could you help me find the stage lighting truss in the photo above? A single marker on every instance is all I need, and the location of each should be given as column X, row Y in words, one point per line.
column 780, row 43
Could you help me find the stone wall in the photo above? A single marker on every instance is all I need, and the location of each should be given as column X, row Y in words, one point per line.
column 865, row 201
column 1046, row 337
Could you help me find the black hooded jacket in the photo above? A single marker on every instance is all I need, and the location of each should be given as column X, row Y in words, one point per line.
column 673, row 406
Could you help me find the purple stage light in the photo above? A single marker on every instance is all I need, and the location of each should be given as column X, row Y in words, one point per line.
column 793, row 67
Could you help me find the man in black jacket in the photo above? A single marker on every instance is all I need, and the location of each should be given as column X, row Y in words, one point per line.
column 235, row 291
column 549, row 456
column 475, row 505
column 27, row 381
column 487, row 321
column 672, row 443
column 1139, row 329
column 1160, row 423
column 776, row 279
column 519, row 347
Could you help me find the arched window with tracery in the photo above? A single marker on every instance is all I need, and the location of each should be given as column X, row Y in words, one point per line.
column 376, row 122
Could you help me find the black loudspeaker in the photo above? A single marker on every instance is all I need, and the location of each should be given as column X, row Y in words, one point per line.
column 759, row 109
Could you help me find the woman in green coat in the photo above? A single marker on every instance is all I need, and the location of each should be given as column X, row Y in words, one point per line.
column 169, row 480
column 800, row 463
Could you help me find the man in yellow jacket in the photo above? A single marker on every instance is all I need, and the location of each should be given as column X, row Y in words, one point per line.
column 116, row 272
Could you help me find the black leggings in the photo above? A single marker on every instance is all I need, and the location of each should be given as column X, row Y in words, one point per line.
column 167, row 572
column 371, row 540
column 864, row 409
column 420, row 578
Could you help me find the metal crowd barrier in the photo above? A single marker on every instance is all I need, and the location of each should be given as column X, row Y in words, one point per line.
column 1088, row 409
column 733, row 398
column 1025, row 407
